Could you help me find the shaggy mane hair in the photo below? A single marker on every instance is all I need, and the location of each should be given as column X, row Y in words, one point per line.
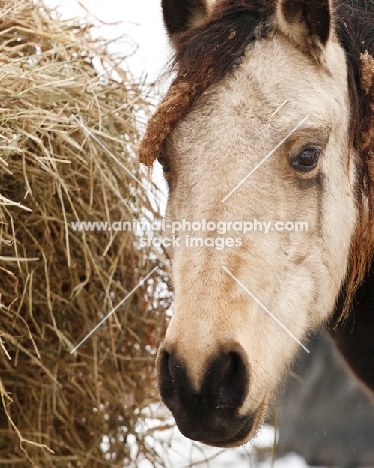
column 207, row 53
column 354, row 25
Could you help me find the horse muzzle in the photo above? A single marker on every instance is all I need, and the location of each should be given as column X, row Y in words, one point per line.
column 209, row 414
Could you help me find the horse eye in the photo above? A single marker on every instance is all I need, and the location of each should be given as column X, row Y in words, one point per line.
column 164, row 162
column 307, row 159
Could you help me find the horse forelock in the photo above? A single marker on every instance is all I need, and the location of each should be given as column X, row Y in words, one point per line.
column 206, row 54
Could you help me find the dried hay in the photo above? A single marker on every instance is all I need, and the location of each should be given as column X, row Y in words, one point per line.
column 56, row 284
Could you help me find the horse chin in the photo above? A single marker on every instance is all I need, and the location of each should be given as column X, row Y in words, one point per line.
column 248, row 431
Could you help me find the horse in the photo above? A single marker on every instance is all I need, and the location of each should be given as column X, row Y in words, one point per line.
column 270, row 116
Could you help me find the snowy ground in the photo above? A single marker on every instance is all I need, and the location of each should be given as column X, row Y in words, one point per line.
column 176, row 451
column 184, row 454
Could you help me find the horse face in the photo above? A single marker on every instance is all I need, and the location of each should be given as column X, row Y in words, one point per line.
column 275, row 129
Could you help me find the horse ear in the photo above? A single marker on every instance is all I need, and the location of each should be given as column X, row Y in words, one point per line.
column 306, row 22
column 181, row 15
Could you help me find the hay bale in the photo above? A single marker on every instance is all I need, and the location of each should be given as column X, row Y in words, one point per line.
column 56, row 284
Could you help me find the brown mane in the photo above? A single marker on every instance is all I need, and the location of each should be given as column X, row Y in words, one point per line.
column 354, row 23
column 207, row 53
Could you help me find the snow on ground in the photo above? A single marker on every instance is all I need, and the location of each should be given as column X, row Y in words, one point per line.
column 183, row 453
column 176, row 451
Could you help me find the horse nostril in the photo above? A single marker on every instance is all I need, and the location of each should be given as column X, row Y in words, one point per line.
column 229, row 378
column 172, row 377
column 165, row 378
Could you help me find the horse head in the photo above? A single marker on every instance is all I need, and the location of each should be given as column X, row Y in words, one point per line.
column 258, row 126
